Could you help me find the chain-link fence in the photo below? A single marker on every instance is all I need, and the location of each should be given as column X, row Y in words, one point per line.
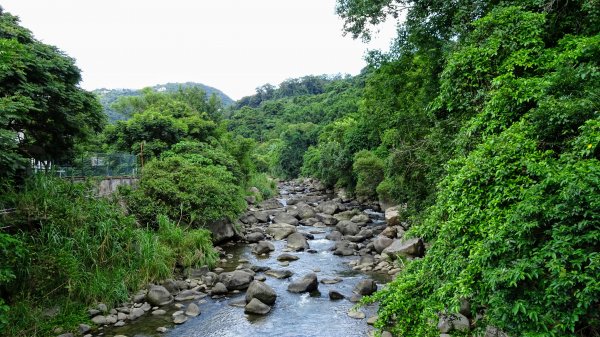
column 95, row 165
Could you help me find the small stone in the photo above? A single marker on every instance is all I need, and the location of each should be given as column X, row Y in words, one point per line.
column 371, row 320
column 257, row 307
column 192, row 310
column 121, row 316
column 158, row 312
column 102, row 307
column 219, row 289
column 180, row 318
column 99, row 320
column 136, row 313
column 161, row 329
column 66, row 335
column 119, row 323
column 83, row 328
column 386, row 334
column 356, row 314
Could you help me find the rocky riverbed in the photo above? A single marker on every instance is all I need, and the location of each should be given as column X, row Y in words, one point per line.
column 299, row 264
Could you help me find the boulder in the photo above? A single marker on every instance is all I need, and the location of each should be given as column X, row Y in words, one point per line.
column 188, row 295
column 347, row 227
column 307, row 283
column 179, row 317
column 192, row 310
column 392, row 215
column 219, row 289
column 360, row 218
column 381, row 242
column 280, row 231
column 255, row 237
column 326, row 219
column 451, row 322
column 263, row 247
column 329, row 207
column 305, row 212
column 343, row 248
column 287, row 257
column 236, row 280
column 262, row 292
column 279, row 274
column 411, row 247
column 365, row 287
column 334, row 236
column 159, row 296
column 221, row 230
column 270, row 204
column 257, row 307
column 261, row 216
column 297, row 241
column 390, row 232
column 285, row 218
column 335, row 295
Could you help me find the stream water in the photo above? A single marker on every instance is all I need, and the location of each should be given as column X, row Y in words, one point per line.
column 292, row 315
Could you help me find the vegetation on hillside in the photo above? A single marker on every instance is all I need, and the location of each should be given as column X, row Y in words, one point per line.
column 483, row 120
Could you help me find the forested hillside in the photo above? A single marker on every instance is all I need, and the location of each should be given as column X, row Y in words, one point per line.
column 116, row 112
column 482, row 121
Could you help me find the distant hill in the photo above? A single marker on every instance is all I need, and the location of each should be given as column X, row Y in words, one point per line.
column 109, row 96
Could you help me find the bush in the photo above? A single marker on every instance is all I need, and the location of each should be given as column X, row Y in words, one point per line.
column 188, row 193
column 368, row 169
column 265, row 184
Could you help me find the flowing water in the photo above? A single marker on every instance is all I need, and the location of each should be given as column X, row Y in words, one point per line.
column 292, row 315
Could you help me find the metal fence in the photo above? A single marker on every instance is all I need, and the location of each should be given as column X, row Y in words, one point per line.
column 93, row 165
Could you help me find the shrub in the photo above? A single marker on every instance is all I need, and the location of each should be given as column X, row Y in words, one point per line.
column 368, row 169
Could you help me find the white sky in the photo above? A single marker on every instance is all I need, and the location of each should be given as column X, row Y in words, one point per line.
column 233, row 45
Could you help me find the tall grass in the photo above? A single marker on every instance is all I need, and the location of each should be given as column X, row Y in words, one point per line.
column 82, row 250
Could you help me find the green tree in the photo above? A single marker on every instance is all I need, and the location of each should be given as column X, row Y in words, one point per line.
column 44, row 111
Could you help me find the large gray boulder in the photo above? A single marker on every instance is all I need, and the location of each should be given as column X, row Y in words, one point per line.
column 255, row 237
column 343, row 248
column 263, row 247
column 307, row 283
column 257, row 307
column 279, row 274
column 327, row 219
column 392, row 215
column 334, row 236
column 285, row 218
column 236, row 280
column 329, row 207
column 221, row 230
column 280, row 231
column 365, row 287
column 411, row 247
column 381, row 242
column 261, row 216
column 347, row 227
column 159, row 296
column 297, row 241
column 270, row 204
column 261, row 291
column 305, row 212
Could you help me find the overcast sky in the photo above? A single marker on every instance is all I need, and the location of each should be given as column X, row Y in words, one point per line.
column 233, row 45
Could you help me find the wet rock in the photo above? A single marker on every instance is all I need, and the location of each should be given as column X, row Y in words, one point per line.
column 365, row 287
column 334, row 236
column 280, row 231
column 159, row 312
column 287, row 257
column 343, row 248
column 392, row 215
column 222, row 230
column 331, row 280
column 360, row 218
column 412, row 247
column 188, row 295
column 297, row 241
column 329, row 207
column 262, row 292
column 159, row 296
column 279, row 274
column 255, row 237
column 327, row 219
column 356, row 314
column 371, row 320
column 285, row 218
column 347, row 227
column 263, row 247
column 236, row 280
column 259, row 269
column 306, row 212
column 335, row 295
column 179, row 317
column 161, row 329
column 219, row 289
column 192, row 310
column 257, row 307
column 307, row 283
column 381, row 242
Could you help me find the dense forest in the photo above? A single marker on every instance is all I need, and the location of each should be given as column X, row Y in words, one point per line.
column 482, row 122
